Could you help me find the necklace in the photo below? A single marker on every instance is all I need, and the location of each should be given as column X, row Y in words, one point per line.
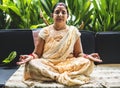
column 59, row 28
column 58, row 34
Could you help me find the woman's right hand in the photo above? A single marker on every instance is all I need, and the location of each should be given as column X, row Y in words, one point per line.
column 24, row 58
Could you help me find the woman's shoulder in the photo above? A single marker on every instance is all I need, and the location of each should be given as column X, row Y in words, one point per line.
column 44, row 32
column 75, row 29
column 47, row 27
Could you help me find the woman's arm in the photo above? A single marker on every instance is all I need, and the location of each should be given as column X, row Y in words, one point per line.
column 78, row 47
column 78, row 51
column 38, row 51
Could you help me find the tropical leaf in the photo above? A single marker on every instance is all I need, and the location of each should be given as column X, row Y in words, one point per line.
column 47, row 6
column 106, row 15
column 10, row 57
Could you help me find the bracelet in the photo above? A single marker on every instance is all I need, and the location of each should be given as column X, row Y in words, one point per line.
column 32, row 55
column 83, row 55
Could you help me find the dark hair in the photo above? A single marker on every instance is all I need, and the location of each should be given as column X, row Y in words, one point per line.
column 60, row 3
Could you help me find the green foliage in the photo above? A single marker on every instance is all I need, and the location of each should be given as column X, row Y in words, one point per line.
column 79, row 12
column 10, row 57
column 2, row 17
column 21, row 14
column 106, row 15
column 25, row 14
column 95, row 15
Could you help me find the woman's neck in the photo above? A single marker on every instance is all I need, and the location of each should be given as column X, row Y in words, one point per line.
column 59, row 27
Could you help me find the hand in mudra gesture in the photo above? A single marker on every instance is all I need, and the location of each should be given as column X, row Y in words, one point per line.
column 94, row 57
column 24, row 58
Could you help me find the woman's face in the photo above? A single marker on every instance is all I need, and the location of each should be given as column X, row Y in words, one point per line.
column 60, row 14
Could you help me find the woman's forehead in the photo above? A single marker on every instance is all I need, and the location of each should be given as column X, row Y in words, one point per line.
column 60, row 7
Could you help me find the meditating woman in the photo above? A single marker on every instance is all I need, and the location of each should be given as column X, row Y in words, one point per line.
column 59, row 56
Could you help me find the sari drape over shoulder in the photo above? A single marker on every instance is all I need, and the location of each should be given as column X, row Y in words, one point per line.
column 57, row 62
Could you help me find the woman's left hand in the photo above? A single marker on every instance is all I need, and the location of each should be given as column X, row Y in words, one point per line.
column 94, row 57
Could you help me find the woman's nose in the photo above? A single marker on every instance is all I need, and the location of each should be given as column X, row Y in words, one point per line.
column 60, row 14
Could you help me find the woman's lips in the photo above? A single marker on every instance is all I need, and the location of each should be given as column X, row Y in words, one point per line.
column 59, row 19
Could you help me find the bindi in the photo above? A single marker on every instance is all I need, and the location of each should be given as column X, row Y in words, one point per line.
column 61, row 4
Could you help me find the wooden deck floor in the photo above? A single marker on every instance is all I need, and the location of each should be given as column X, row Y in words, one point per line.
column 104, row 76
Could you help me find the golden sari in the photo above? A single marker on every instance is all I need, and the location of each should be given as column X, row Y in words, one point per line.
column 57, row 62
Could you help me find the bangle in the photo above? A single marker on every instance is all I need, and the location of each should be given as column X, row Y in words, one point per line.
column 32, row 55
column 85, row 55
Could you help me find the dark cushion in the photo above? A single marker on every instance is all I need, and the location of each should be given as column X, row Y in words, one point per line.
column 88, row 41
column 20, row 41
column 108, row 46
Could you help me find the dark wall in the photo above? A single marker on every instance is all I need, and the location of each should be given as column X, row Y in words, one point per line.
column 108, row 46
column 88, row 41
column 20, row 41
